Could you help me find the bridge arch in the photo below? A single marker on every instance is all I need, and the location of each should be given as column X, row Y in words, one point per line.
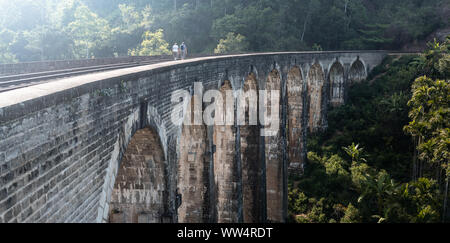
column 231, row 79
column 295, row 106
column 316, row 82
column 253, row 71
column 337, row 84
column 138, row 194
column 144, row 116
column 357, row 72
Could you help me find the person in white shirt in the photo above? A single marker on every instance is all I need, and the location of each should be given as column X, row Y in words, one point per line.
column 175, row 50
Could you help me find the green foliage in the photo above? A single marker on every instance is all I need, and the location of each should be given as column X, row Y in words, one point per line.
column 316, row 47
column 53, row 29
column 352, row 215
column 355, row 152
column 328, row 176
column 374, row 117
column 87, row 31
column 153, row 44
column 430, row 115
column 232, row 44
column 435, row 63
column 430, row 109
column 377, row 186
column 359, row 173
column 298, row 202
column 371, row 195
column 423, row 200
column 373, row 35
column 130, row 28
column 6, row 56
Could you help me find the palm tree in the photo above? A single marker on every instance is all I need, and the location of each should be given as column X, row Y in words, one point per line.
column 384, row 189
column 355, row 152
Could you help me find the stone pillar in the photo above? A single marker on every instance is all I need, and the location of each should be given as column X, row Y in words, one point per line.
column 192, row 180
column 295, row 136
column 225, row 166
column 274, row 159
column 250, row 154
column 316, row 81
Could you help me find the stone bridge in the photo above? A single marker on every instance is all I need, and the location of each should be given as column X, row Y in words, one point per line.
column 103, row 148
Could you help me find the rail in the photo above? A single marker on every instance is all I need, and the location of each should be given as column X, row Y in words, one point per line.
column 12, row 78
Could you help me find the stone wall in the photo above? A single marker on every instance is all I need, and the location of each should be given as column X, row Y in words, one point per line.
column 45, row 66
column 61, row 143
column 34, row 67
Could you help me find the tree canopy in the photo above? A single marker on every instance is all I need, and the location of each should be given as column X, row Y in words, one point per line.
column 33, row 30
column 385, row 156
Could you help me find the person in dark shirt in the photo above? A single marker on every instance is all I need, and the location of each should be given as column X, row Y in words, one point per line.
column 183, row 50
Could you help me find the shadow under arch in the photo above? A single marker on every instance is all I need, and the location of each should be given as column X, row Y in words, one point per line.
column 139, row 188
column 337, row 85
column 357, row 72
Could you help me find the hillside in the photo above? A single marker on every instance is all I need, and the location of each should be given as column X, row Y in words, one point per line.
column 107, row 28
column 367, row 167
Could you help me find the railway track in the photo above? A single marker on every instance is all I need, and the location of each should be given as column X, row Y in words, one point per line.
column 12, row 82
column 17, row 81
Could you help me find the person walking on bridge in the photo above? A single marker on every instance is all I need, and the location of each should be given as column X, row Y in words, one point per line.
column 183, row 51
column 175, row 51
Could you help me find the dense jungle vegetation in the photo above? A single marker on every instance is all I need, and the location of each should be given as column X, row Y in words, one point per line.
column 385, row 156
column 34, row 30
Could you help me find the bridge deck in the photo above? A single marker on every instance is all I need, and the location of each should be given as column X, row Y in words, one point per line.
column 27, row 79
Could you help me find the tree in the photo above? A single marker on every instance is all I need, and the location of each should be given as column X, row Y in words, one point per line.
column 87, row 30
column 430, row 113
column 382, row 190
column 355, row 152
column 6, row 56
column 352, row 215
column 435, row 63
column 420, row 201
column 232, row 44
column 56, row 45
column 128, row 29
column 116, row 26
column 430, row 125
column 153, row 44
